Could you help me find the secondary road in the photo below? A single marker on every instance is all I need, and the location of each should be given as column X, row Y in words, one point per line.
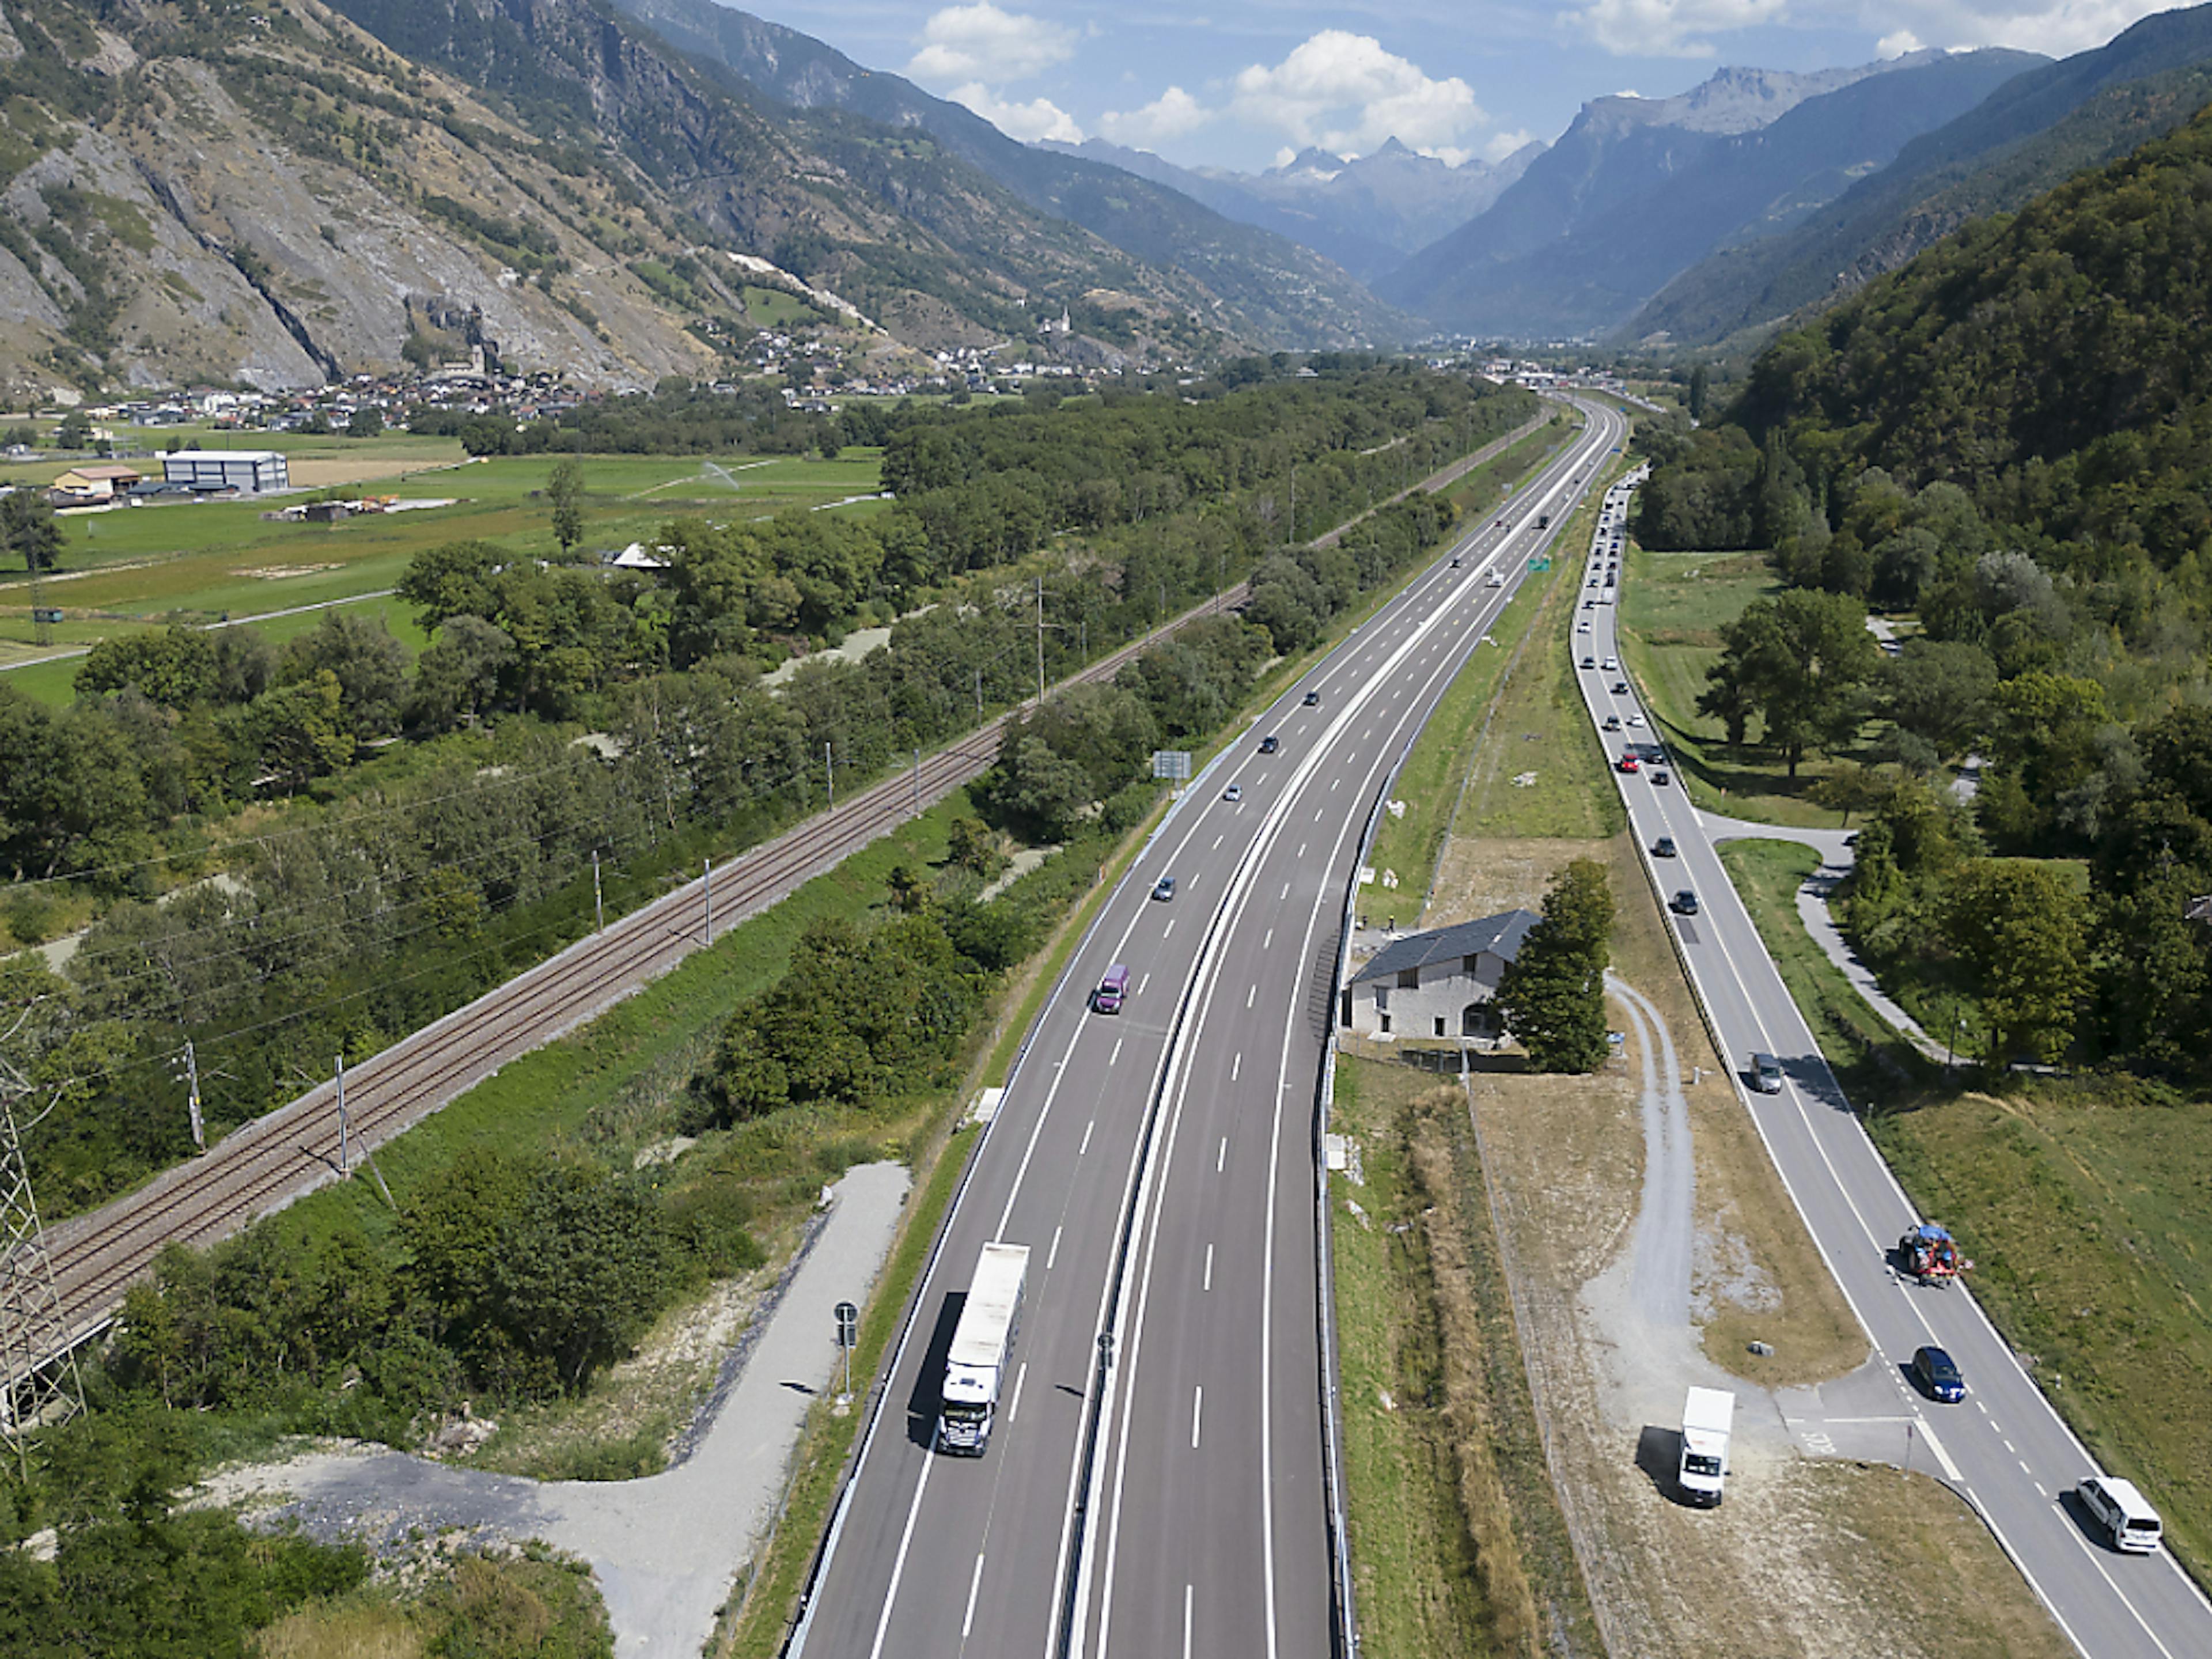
column 1159, row 1165
column 2004, row 1449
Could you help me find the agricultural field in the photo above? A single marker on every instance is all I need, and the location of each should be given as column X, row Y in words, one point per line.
column 219, row 561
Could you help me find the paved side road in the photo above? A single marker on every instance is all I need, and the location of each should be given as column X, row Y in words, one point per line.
column 666, row 1549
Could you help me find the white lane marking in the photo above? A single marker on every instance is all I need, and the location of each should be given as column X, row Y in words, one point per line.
column 1333, row 782
column 1197, row 1412
column 1014, row 1406
column 1053, row 1255
column 1221, row 1157
column 1116, row 1054
column 1209, row 1267
column 1251, row 994
column 1301, row 849
column 1165, row 931
column 1186, row 1622
column 968, row 1620
column 1269, row 941
column 1319, row 812
column 1287, row 890
column 1087, row 1128
column 1218, row 840
column 906, row 1538
column 1235, row 1064
column 1143, row 982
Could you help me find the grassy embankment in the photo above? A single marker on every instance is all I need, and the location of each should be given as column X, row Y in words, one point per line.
column 2087, row 1205
column 143, row 568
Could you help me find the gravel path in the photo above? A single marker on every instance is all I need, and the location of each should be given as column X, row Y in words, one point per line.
column 667, row 1550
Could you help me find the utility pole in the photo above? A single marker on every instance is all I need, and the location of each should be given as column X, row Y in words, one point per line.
column 598, row 898
column 917, row 783
column 979, row 696
column 345, row 1126
column 39, row 1381
column 706, row 886
column 1040, row 643
column 192, row 1095
column 830, row 777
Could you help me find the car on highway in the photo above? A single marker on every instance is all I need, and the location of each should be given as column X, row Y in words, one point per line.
column 1270, row 744
column 1582, row 627
column 1593, row 582
column 1613, row 723
column 1636, row 720
column 1664, row 847
column 1493, row 580
column 1684, row 904
column 1589, row 662
column 1662, row 776
column 2120, row 1513
column 1233, row 793
column 1620, row 688
column 1589, row 604
column 1938, row 1375
column 1610, row 663
column 1311, row 699
column 1163, row 888
column 1629, row 763
column 1112, row 992
column 1454, row 564
column 1765, row 1074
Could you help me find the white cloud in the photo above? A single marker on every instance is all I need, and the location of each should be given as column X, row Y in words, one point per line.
column 1344, row 93
column 2056, row 26
column 1038, row 119
column 1689, row 29
column 1500, row 145
column 980, row 42
column 1170, row 115
column 1669, row 28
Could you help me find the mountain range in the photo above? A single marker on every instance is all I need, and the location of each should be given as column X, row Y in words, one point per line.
column 1639, row 188
column 2029, row 135
column 190, row 192
column 1367, row 213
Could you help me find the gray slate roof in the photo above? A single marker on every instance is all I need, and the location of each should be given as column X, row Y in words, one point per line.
column 1500, row 934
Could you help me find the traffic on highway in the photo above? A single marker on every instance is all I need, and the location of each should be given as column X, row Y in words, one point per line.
column 1155, row 1480
column 1971, row 1413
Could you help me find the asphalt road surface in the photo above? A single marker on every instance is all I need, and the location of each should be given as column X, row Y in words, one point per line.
column 1200, row 1524
column 2003, row 1449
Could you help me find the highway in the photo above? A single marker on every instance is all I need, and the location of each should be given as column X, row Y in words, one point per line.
column 1160, row 1166
column 2003, row 1448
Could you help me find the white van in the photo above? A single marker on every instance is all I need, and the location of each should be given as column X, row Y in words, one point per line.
column 2119, row 1508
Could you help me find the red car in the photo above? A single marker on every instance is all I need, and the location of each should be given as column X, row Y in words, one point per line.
column 1630, row 763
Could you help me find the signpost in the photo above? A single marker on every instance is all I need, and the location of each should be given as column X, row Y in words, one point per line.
column 1171, row 765
column 849, row 1336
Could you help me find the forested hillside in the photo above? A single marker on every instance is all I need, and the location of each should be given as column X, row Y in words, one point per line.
column 443, row 820
column 2010, row 440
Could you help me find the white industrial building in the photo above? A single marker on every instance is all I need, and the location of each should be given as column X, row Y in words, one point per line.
column 249, row 471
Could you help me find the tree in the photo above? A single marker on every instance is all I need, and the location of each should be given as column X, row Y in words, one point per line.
column 1699, row 382
column 369, row 663
column 564, row 487
column 973, row 846
column 1552, row 992
column 74, row 431
column 28, row 529
column 366, row 421
column 1938, row 691
column 2019, row 933
column 1800, row 661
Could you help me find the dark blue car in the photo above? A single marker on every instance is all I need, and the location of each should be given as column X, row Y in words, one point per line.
column 1938, row 1373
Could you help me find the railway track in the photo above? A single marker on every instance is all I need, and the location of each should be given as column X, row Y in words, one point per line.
column 288, row 1151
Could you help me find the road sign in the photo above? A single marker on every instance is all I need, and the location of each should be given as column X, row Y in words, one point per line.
column 849, row 1325
column 1172, row 764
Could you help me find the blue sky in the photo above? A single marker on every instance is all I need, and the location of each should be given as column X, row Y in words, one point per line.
column 1240, row 83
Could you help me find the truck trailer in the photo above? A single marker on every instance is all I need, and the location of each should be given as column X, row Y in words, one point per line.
column 1707, row 1416
column 982, row 1345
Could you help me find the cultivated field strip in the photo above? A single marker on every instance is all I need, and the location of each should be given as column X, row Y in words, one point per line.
column 265, row 1164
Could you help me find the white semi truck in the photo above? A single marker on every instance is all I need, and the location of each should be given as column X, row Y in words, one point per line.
column 982, row 1345
column 1707, row 1416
